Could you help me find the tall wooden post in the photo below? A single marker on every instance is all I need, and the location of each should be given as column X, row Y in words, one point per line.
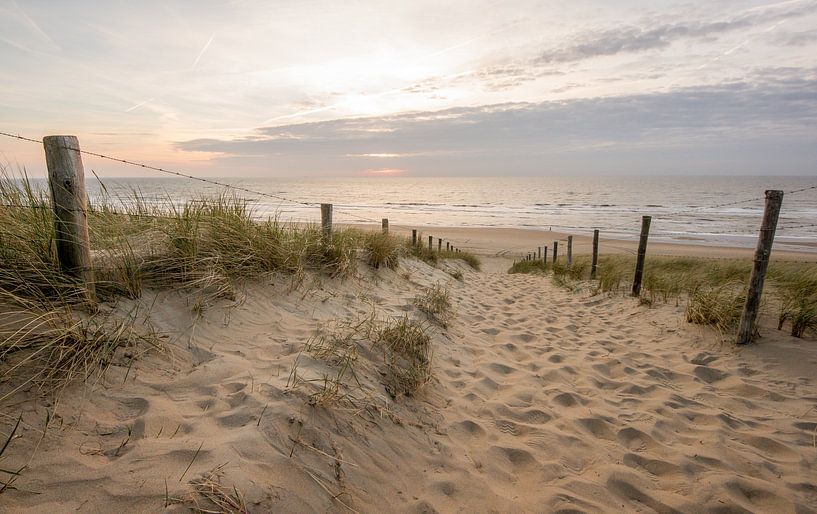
column 595, row 261
column 569, row 251
column 430, row 243
column 414, row 237
column 447, row 246
column 326, row 220
column 439, row 244
column 385, row 225
column 539, row 252
column 746, row 332
column 642, row 251
column 545, row 255
column 66, row 179
column 555, row 251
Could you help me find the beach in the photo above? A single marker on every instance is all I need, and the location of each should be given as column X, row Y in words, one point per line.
column 541, row 399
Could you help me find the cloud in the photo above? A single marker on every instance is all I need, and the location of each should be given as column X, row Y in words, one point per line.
column 630, row 39
column 645, row 132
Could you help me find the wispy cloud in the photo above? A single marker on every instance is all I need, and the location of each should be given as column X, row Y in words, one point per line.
column 726, row 124
column 631, row 39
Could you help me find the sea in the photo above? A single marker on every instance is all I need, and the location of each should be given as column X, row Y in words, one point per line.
column 711, row 210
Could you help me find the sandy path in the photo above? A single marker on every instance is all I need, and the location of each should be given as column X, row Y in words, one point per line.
column 569, row 402
column 543, row 399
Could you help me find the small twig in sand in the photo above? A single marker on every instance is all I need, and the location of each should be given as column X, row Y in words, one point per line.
column 261, row 415
column 191, row 462
column 333, row 495
column 305, row 445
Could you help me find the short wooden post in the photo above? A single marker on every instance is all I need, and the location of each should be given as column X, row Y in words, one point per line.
column 385, row 225
column 430, row 243
column 595, row 261
column 539, row 252
column 66, row 179
column 555, row 251
column 545, row 255
column 439, row 244
column 569, row 251
column 326, row 220
column 447, row 246
column 642, row 251
column 746, row 331
column 414, row 237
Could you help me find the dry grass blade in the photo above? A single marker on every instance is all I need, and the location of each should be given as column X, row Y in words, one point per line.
column 228, row 500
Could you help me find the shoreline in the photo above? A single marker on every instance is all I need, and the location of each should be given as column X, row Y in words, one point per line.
column 515, row 242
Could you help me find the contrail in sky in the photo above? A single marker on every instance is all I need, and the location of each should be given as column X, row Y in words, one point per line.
column 206, row 46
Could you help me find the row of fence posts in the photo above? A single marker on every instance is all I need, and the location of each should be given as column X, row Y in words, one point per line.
column 66, row 179
column 326, row 228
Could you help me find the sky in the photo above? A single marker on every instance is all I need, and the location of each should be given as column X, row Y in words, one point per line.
column 415, row 88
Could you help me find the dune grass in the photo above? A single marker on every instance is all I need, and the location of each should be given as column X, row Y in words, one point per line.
column 403, row 364
column 435, row 303
column 203, row 247
column 532, row 267
column 432, row 256
column 714, row 290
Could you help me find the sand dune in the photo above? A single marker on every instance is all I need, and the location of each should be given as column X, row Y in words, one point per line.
column 543, row 400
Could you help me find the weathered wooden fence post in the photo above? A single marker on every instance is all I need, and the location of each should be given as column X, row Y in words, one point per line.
column 642, row 251
column 447, row 246
column 569, row 251
column 439, row 244
column 66, row 179
column 326, row 220
column 414, row 237
column 430, row 243
column 595, row 261
column 385, row 225
column 746, row 332
column 539, row 252
column 545, row 255
column 555, row 251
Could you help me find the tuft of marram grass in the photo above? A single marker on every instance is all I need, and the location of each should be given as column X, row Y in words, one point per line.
column 407, row 352
column 403, row 343
column 797, row 292
column 382, row 249
column 436, row 304
column 720, row 306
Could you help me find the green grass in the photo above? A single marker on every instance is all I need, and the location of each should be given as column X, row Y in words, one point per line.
column 713, row 289
column 432, row 256
column 536, row 266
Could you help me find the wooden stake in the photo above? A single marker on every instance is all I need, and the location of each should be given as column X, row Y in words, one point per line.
column 414, row 237
column 746, row 332
column 642, row 251
column 595, row 260
column 545, row 255
column 326, row 220
column 430, row 243
column 385, row 225
column 66, row 179
column 447, row 246
column 539, row 252
column 569, row 251
column 555, row 251
column 439, row 244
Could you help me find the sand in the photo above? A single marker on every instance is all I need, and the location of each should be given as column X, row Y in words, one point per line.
column 542, row 400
